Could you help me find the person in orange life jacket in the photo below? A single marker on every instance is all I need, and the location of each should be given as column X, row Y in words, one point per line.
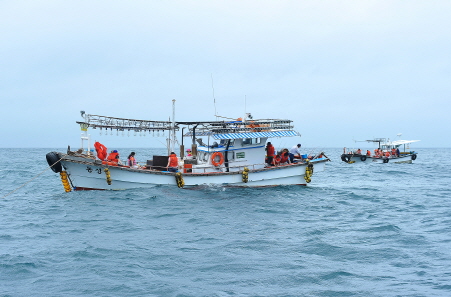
column 393, row 151
column 173, row 162
column 368, row 153
column 269, row 154
column 359, row 152
column 387, row 154
column 285, row 157
column 131, row 161
column 114, row 157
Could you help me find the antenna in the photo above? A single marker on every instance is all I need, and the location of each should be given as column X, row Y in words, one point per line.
column 214, row 99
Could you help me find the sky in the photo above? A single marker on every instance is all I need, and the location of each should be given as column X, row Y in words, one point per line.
column 341, row 70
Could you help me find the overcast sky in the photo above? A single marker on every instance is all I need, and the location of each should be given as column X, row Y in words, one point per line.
column 342, row 70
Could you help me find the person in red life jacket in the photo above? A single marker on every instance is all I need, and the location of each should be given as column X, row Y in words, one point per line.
column 393, row 151
column 359, row 152
column 173, row 162
column 368, row 153
column 387, row 154
column 269, row 154
column 131, row 161
column 114, row 157
column 285, row 157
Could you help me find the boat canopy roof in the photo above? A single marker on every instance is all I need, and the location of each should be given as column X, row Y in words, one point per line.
column 400, row 142
column 246, row 135
column 384, row 141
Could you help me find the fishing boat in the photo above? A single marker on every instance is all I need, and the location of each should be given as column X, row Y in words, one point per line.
column 386, row 151
column 224, row 152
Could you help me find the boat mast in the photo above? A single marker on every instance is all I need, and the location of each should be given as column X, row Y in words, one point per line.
column 172, row 142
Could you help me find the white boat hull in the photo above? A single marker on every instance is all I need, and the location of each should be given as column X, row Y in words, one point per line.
column 393, row 159
column 87, row 174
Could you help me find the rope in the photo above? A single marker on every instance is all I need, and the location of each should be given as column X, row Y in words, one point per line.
column 33, row 178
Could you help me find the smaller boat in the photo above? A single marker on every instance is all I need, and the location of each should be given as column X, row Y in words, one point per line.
column 386, row 151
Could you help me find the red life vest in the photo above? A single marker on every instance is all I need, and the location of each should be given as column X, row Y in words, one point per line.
column 387, row 154
column 101, row 150
column 284, row 158
column 113, row 157
column 270, row 150
column 173, row 161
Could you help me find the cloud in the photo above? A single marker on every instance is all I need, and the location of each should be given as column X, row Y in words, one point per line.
column 329, row 65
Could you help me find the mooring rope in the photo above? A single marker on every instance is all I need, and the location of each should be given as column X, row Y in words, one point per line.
column 33, row 177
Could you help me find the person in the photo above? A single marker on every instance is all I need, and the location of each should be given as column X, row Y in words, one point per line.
column 368, row 153
column 397, row 152
column 359, row 152
column 173, row 162
column 269, row 154
column 131, row 161
column 393, row 151
column 285, row 157
column 295, row 152
column 188, row 153
column 113, row 157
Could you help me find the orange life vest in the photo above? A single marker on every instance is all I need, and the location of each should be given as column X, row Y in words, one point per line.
column 284, row 158
column 368, row 153
column 270, row 150
column 101, row 150
column 113, row 157
column 387, row 154
column 173, row 161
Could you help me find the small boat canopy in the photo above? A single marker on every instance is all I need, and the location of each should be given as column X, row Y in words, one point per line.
column 256, row 135
column 400, row 142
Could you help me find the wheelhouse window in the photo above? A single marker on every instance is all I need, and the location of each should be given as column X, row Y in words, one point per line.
column 250, row 141
column 223, row 142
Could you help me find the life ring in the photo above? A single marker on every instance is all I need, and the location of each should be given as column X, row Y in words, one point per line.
column 213, row 159
column 385, row 160
column 363, row 158
column 414, row 156
column 53, row 160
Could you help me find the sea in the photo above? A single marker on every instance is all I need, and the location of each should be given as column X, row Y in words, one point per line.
column 359, row 229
